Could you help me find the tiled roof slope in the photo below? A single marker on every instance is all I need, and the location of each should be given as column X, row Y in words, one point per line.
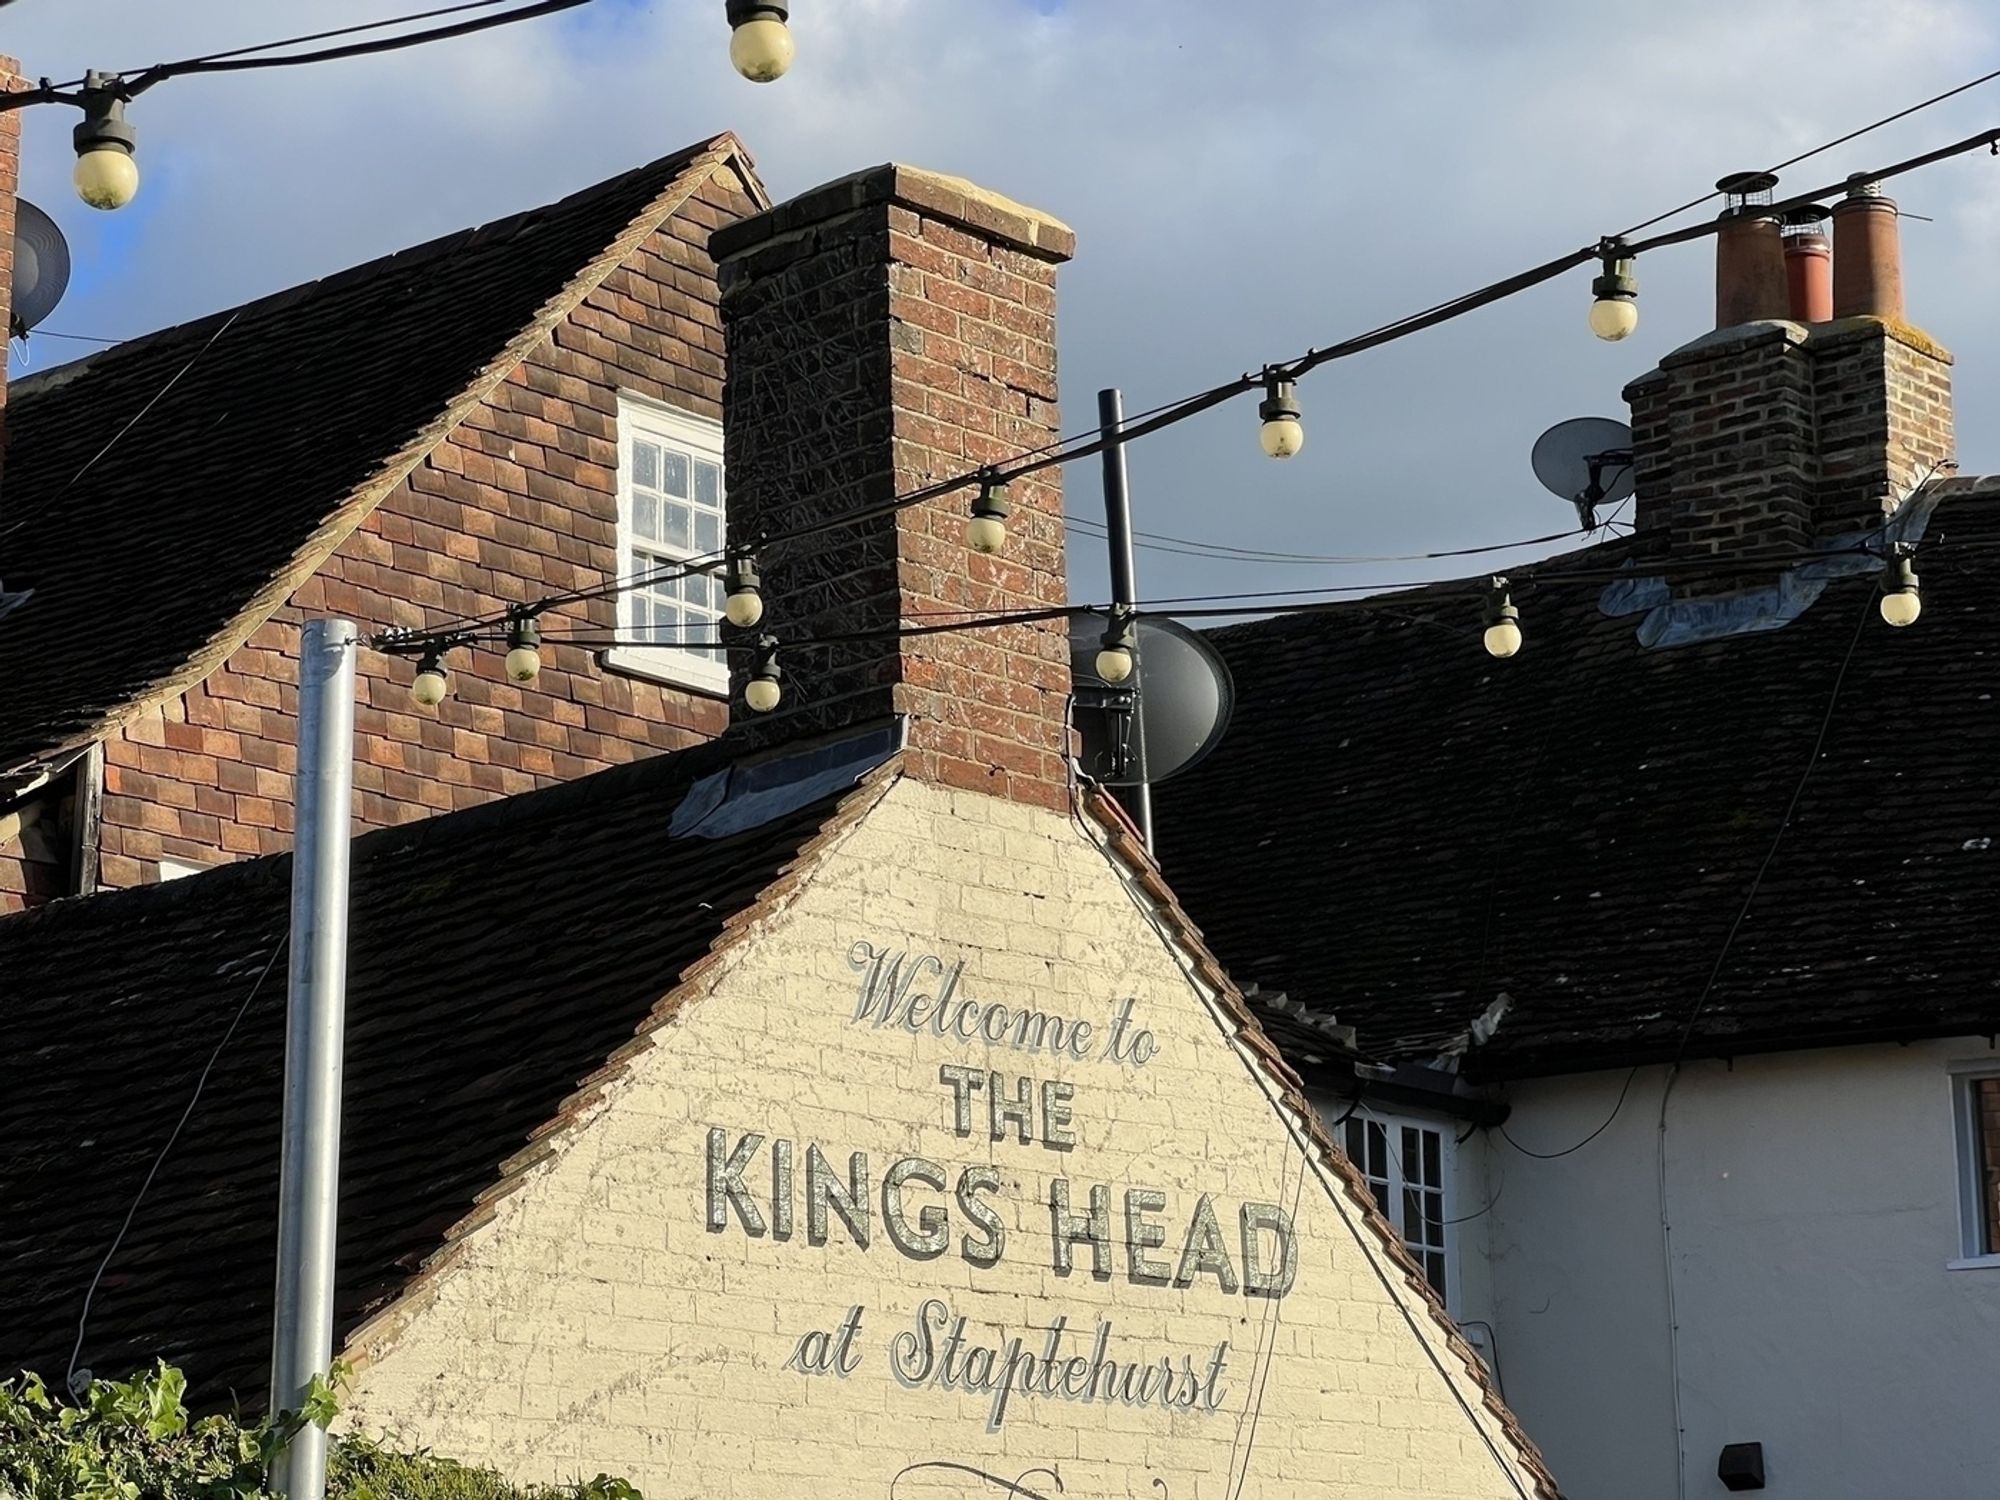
column 498, row 958
column 238, row 440
column 1398, row 828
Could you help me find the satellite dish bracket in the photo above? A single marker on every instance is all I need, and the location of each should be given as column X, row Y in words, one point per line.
column 1593, row 492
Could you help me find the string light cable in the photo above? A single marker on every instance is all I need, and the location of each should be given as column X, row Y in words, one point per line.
column 1093, row 442
column 511, row 630
column 131, row 82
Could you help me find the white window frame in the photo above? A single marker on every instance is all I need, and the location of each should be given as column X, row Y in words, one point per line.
column 639, row 416
column 178, row 869
column 1972, row 1253
column 1393, row 1126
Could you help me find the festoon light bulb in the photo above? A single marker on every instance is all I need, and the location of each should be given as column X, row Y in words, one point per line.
column 1115, row 660
column 1280, row 432
column 1901, row 603
column 986, row 531
column 1615, row 313
column 1503, row 622
column 106, row 174
column 762, row 692
column 743, row 605
column 760, row 41
column 432, row 683
column 524, row 650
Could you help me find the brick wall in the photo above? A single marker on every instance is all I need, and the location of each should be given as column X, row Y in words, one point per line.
column 519, row 502
column 887, row 330
column 596, row 1321
column 1768, row 436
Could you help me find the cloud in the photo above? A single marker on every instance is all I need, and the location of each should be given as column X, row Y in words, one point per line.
column 1245, row 182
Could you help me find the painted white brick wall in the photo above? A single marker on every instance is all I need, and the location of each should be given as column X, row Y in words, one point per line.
column 598, row 1324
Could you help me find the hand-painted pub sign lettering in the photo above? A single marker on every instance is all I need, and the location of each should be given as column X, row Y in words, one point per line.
column 925, row 1208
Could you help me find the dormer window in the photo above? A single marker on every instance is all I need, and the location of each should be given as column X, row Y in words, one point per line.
column 670, row 513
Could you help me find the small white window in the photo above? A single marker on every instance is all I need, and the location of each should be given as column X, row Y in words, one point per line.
column 1406, row 1163
column 174, row 869
column 670, row 510
column 1976, row 1100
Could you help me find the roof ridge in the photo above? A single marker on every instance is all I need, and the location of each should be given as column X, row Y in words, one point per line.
column 42, row 382
column 695, row 167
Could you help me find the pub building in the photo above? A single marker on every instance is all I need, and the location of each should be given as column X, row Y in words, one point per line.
column 842, row 1104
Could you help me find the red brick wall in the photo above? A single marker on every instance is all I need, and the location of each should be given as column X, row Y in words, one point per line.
column 887, row 330
column 520, row 502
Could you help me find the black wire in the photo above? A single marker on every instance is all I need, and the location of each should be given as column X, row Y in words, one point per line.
column 1218, row 551
column 201, row 1081
column 321, row 36
column 1749, row 896
column 80, row 338
column 138, row 80
column 1784, row 825
column 1055, row 454
column 1840, row 140
column 1567, row 1150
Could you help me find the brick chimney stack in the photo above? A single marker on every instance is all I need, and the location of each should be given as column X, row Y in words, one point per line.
column 1812, row 409
column 886, row 331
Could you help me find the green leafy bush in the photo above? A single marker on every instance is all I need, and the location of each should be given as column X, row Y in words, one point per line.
column 135, row 1440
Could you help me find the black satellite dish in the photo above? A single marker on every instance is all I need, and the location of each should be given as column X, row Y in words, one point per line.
column 1177, row 703
column 1587, row 461
column 41, row 267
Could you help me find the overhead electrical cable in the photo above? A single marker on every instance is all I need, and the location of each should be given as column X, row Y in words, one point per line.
column 1035, row 461
column 1823, row 147
column 131, row 82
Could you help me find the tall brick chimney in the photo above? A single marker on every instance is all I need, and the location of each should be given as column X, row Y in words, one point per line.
column 1814, row 413
column 886, row 331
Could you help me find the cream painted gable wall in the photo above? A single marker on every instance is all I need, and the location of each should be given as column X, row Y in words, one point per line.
column 599, row 1323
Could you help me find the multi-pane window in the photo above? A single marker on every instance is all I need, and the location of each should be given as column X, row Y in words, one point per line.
column 1405, row 1167
column 1978, row 1101
column 670, row 514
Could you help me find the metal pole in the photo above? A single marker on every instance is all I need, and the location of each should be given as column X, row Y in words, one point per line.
column 1125, row 585
column 316, row 1019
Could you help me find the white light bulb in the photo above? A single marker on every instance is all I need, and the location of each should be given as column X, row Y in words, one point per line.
column 761, row 50
column 1503, row 638
column 1902, row 608
column 762, row 694
column 986, row 534
column 1114, row 664
column 524, row 664
column 1282, row 437
column 744, row 608
column 429, row 689
column 106, row 177
column 1614, row 318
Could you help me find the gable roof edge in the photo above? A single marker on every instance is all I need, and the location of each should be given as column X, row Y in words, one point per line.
column 724, row 150
column 385, row 1324
column 1123, row 842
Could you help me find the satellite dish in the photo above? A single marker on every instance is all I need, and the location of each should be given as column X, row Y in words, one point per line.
column 41, row 266
column 1587, row 461
column 1177, row 703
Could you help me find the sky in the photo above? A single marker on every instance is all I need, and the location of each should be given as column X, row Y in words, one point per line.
column 1245, row 181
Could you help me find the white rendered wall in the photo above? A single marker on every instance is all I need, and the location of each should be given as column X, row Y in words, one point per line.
column 1813, row 1200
